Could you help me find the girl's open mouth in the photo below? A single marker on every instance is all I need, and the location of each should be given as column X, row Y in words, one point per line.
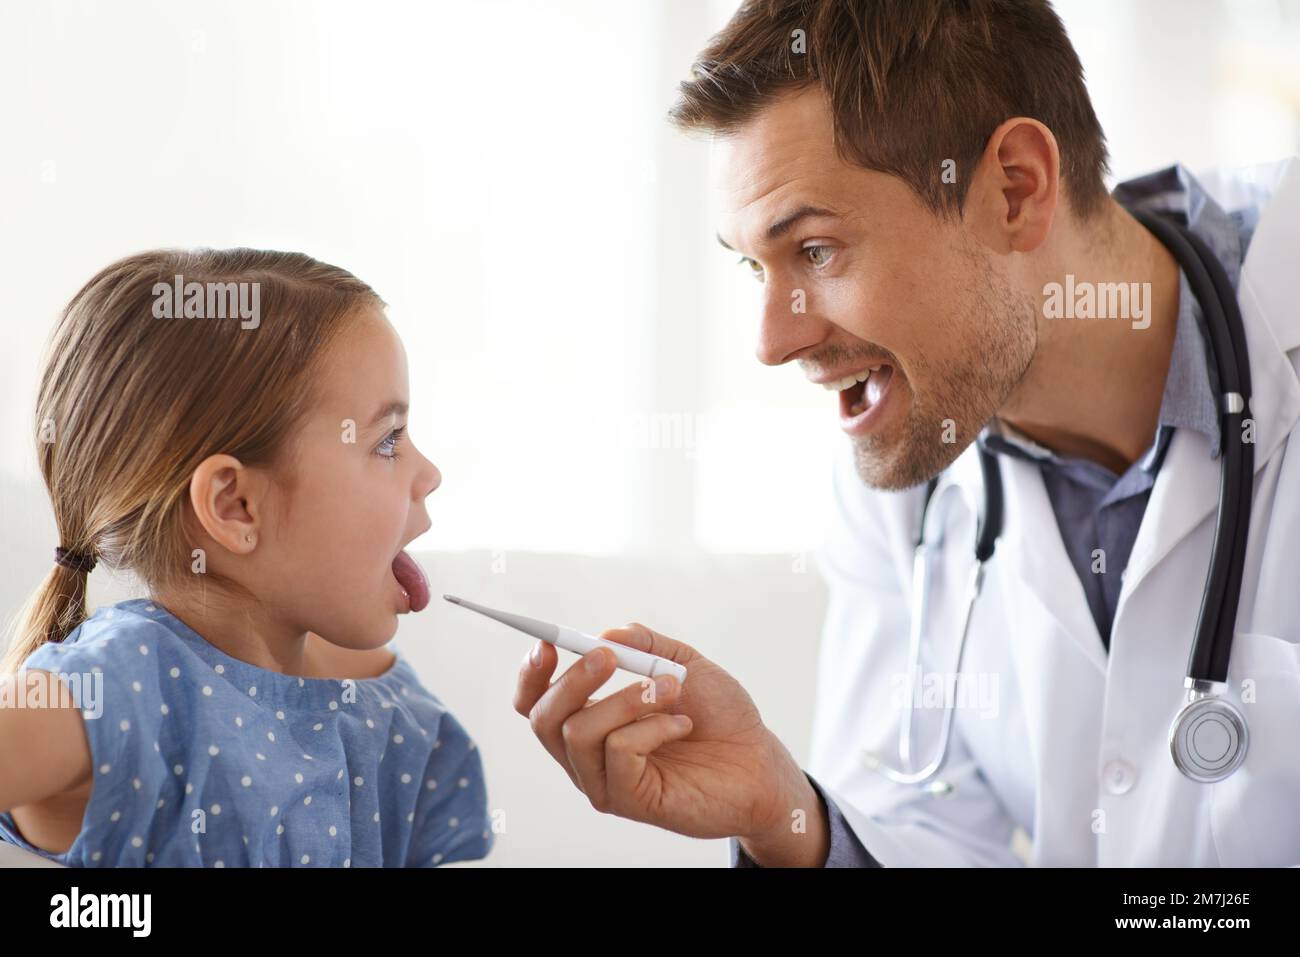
column 411, row 580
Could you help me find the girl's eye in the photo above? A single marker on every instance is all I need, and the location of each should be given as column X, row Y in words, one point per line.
column 388, row 448
column 755, row 269
column 819, row 255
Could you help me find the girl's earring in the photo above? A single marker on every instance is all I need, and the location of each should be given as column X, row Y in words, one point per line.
column 248, row 538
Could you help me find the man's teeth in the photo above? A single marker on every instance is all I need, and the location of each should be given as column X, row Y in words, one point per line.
column 839, row 385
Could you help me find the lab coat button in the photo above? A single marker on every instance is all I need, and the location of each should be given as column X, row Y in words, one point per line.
column 1119, row 776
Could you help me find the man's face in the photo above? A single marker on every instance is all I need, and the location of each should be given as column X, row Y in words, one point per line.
column 860, row 276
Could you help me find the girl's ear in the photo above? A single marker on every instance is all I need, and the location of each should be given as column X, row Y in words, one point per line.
column 226, row 498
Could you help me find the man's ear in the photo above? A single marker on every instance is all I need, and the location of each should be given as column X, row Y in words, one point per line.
column 1016, row 187
column 226, row 498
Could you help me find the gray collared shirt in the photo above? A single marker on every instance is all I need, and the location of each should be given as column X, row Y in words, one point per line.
column 1094, row 507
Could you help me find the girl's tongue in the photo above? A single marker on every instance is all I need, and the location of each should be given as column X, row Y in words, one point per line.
column 411, row 577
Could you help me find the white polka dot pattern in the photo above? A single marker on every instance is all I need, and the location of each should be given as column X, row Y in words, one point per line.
column 203, row 760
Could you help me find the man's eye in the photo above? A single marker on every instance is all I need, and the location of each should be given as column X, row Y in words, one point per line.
column 754, row 268
column 819, row 255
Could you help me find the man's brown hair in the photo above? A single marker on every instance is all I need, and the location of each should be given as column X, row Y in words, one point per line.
column 910, row 83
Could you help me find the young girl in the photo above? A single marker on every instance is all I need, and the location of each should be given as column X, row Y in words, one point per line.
column 229, row 425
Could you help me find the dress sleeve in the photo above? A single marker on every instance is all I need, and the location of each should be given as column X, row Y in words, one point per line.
column 115, row 684
column 452, row 822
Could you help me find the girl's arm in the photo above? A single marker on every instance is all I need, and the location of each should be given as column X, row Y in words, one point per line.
column 43, row 746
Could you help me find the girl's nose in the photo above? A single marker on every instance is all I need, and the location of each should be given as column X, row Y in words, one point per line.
column 429, row 479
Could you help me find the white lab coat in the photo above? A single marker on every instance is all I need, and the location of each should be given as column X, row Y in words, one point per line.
column 1076, row 751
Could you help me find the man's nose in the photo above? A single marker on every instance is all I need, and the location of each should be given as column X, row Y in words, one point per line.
column 788, row 324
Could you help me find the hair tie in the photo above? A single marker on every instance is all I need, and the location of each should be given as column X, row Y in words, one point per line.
column 78, row 561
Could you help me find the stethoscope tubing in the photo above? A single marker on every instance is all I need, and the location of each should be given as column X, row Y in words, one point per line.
column 1223, row 324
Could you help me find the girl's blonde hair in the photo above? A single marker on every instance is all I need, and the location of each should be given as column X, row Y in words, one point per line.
column 130, row 404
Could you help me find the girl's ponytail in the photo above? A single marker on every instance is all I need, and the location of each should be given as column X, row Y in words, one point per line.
column 57, row 607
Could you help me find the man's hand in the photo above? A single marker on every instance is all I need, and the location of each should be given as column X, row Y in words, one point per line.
column 695, row 759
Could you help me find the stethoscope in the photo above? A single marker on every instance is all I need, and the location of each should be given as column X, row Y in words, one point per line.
column 1208, row 738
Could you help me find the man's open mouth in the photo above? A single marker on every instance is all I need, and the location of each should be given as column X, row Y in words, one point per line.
column 860, row 391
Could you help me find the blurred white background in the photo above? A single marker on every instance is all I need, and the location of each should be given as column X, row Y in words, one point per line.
column 581, row 349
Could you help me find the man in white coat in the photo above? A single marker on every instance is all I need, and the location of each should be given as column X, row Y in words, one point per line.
column 918, row 184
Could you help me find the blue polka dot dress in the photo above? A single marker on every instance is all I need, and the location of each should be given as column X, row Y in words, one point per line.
column 202, row 760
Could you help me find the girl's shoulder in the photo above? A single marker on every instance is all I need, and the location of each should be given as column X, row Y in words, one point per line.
column 126, row 636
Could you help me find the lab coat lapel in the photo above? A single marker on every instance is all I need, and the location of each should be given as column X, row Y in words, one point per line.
column 1059, row 661
column 1041, row 590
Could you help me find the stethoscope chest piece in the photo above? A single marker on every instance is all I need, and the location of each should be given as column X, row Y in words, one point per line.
column 1209, row 739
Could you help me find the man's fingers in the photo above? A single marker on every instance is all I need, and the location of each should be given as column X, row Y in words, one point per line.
column 534, row 676
column 584, row 733
column 534, row 681
column 572, row 727
column 625, row 756
column 637, row 635
column 567, row 695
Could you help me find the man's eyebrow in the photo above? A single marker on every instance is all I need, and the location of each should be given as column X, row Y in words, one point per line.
column 786, row 223
column 393, row 407
column 782, row 226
